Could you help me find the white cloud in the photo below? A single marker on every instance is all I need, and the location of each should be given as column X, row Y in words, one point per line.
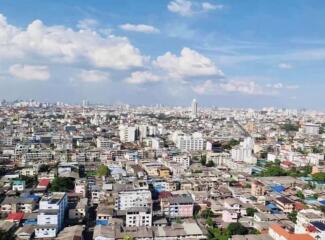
column 87, row 23
column 181, row 7
column 245, row 87
column 30, row 72
column 206, row 88
column 188, row 8
column 206, row 6
column 139, row 28
column 242, row 85
column 62, row 44
column 189, row 64
column 92, row 76
column 282, row 86
column 285, row 66
column 142, row 77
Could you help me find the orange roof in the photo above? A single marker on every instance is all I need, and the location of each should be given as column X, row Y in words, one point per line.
column 290, row 236
column 299, row 206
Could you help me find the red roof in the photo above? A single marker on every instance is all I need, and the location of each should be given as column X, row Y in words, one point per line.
column 311, row 228
column 15, row 216
column 287, row 163
column 44, row 182
column 165, row 194
column 299, row 206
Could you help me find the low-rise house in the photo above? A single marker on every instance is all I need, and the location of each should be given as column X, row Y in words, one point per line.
column 104, row 215
column 12, row 204
column 285, row 204
column 15, row 217
column 29, row 171
column 18, row 185
column 177, row 206
column 71, row 233
column 233, row 210
column 81, row 187
column 25, row 233
column 186, row 230
column 258, row 189
column 43, row 184
column 310, row 221
column 277, row 232
column 79, row 211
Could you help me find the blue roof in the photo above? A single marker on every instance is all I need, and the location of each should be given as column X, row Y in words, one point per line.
column 319, row 225
column 32, row 196
column 271, row 205
column 322, row 202
column 278, row 188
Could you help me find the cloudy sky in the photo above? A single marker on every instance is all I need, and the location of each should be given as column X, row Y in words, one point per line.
column 236, row 53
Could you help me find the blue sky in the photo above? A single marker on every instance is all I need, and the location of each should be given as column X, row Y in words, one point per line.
column 230, row 53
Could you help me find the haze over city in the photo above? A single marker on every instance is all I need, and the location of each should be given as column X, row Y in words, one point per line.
column 224, row 53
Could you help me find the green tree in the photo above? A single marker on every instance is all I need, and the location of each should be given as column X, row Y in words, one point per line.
column 290, row 127
column 229, row 145
column 250, row 212
column 319, row 177
column 217, row 234
column 103, row 170
column 6, row 235
column 293, row 216
column 210, row 222
column 203, row 160
column 128, row 237
column 178, row 221
column 44, row 168
column 62, row 184
column 236, row 229
column 322, row 208
column 206, row 213
column 29, row 180
column 300, row 195
column 210, row 164
column 273, row 171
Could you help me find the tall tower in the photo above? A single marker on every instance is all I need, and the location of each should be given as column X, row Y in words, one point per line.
column 194, row 109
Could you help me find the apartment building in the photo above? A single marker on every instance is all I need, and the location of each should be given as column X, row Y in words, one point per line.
column 177, row 206
column 80, row 187
column 50, row 218
column 194, row 142
column 127, row 133
column 258, row 189
column 138, row 217
column 133, row 198
column 285, row 204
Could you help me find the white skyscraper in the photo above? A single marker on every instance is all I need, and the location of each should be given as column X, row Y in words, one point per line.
column 127, row 133
column 194, row 109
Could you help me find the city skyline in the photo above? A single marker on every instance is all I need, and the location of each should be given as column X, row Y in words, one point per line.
column 222, row 53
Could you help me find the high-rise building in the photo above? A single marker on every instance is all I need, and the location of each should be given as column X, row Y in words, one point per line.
column 194, row 109
column 194, row 142
column 127, row 133
column 84, row 103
